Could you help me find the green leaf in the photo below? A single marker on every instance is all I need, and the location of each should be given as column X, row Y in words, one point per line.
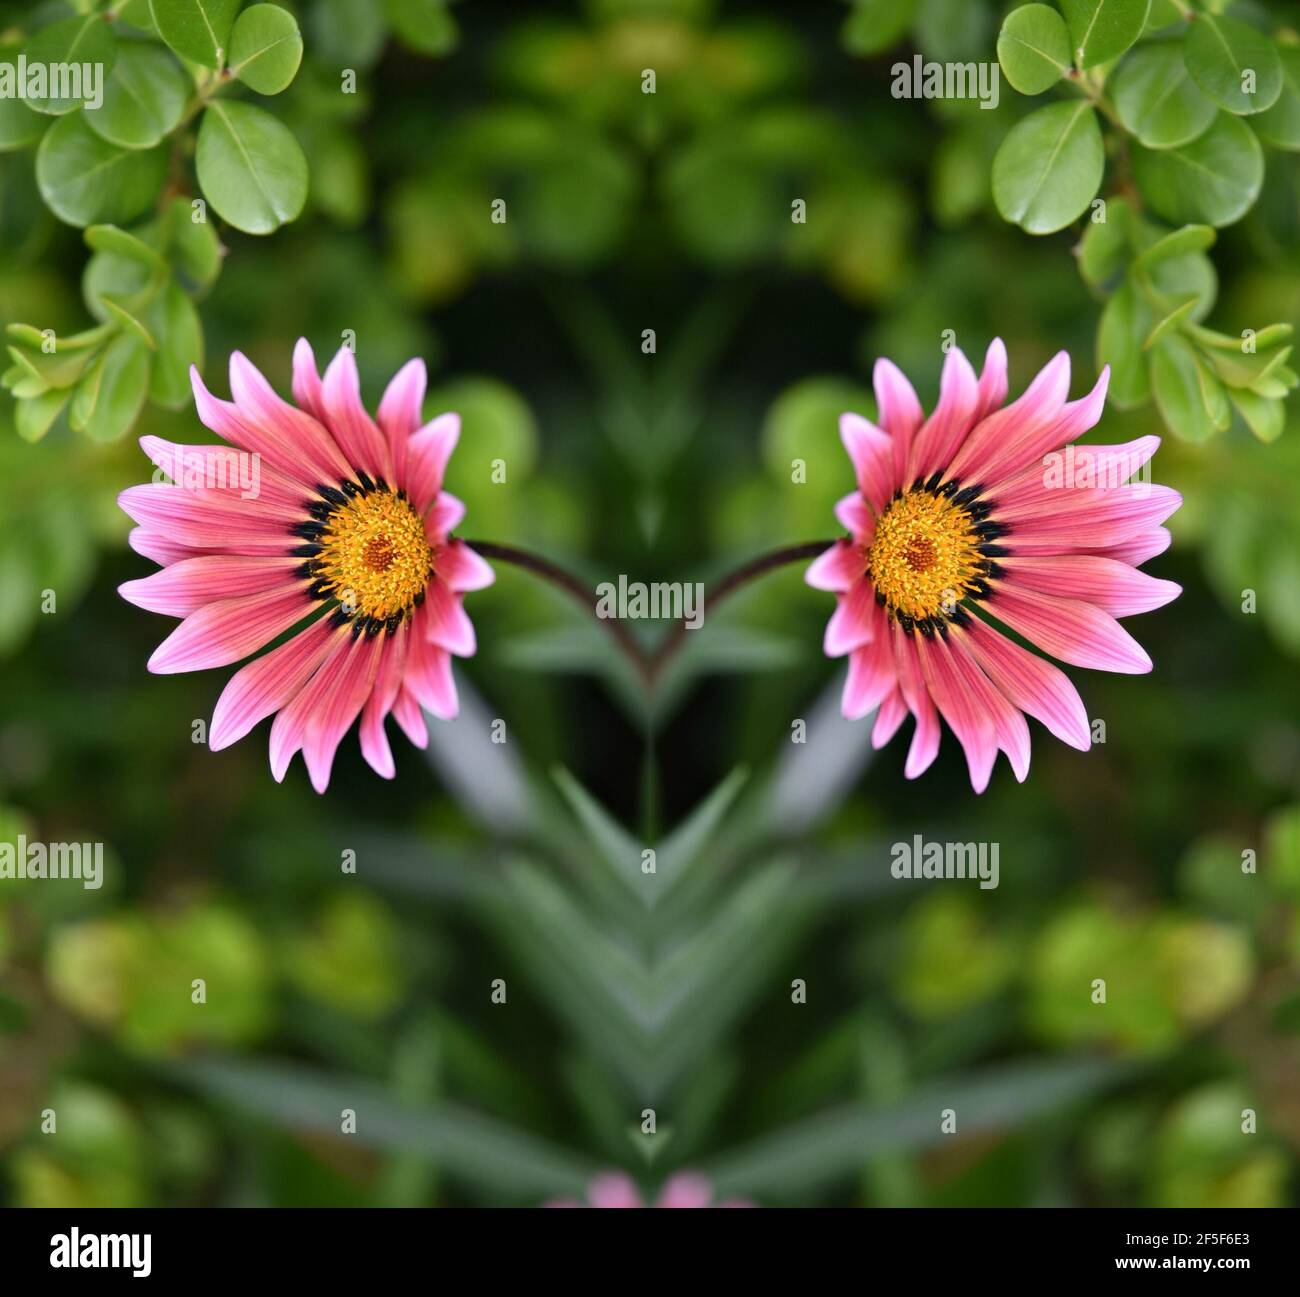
column 1170, row 322
column 108, row 238
column 872, row 26
column 144, row 97
column 123, row 388
column 1101, row 30
column 1280, row 125
column 1190, row 399
column 1034, row 48
column 427, row 27
column 85, row 396
column 1048, row 168
column 34, row 418
column 192, row 245
column 1215, row 179
column 1106, row 246
column 1124, row 324
column 72, row 44
column 176, row 324
column 1263, row 417
column 197, row 30
column 84, row 178
column 1225, row 56
column 1157, row 100
column 1178, row 243
column 19, row 124
column 250, row 167
column 265, row 48
column 129, row 322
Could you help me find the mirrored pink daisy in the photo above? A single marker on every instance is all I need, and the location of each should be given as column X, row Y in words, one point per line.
column 316, row 522
column 985, row 518
column 617, row 1189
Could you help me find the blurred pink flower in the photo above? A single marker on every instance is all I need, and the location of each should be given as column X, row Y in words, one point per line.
column 320, row 520
column 984, row 514
column 616, row 1189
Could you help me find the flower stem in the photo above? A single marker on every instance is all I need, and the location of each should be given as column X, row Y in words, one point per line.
column 733, row 581
column 571, row 585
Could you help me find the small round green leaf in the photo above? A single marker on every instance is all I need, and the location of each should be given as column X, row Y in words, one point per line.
column 198, row 30
column 1237, row 66
column 84, row 179
column 144, row 97
column 1191, row 400
column 74, row 55
column 19, row 124
column 1280, row 125
column 1125, row 323
column 1048, row 168
column 1157, row 100
column 1101, row 30
column 1215, row 179
column 175, row 323
column 1034, row 48
column 250, row 167
column 265, row 48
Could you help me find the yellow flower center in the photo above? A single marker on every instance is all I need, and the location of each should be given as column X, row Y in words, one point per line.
column 925, row 556
column 374, row 558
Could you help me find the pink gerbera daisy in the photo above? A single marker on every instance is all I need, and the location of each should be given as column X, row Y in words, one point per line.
column 975, row 517
column 324, row 524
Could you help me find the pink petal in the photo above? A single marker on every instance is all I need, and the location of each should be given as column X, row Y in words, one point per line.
column 388, row 680
column 1031, row 441
column 1074, row 632
column 261, row 405
column 1141, row 548
column 354, row 429
column 306, row 381
column 1088, row 519
column 899, row 411
column 872, row 675
column 993, row 380
column 892, row 713
column 461, row 568
column 973, row 728
column 1039, row 405
column 289, row 729
column 429, row 450
column 428, row 670
column 443, row 518
column 203, row 520
column 853, row 622
column 400, row 410
column 686, row 1189
column 946, row 428
column 158, row 548
column 188, row 584
column 1113, row 586
column 911, row 682
column 267, row 683
column 838, row 568
column 1035, row 686
column 448, row 625
column 872, row 454
column 613, row 1189
column 340, row 705
column 221, row 633
column 409, row 716
column 855, row 517
column 225, row 468
column 1009, row 728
